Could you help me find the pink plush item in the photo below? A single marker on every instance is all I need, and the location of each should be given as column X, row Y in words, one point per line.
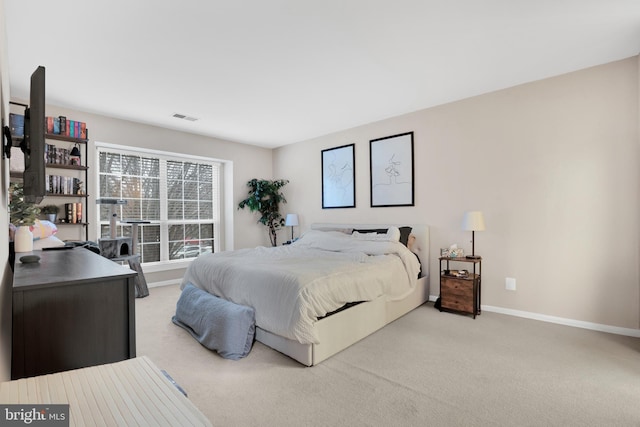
column 43, row 229
column 47, row 242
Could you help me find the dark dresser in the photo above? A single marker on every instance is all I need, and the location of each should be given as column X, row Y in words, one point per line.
column 71, row 310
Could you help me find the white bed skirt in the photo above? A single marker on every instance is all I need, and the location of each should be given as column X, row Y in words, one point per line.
column 363, row 319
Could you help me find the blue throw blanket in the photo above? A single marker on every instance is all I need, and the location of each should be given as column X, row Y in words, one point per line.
column 218, row 324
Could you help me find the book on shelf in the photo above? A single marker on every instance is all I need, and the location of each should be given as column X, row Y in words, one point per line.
column 73, row 213
column 62, row 185
column 16, row 123
column 55, row 155
column 62, row 126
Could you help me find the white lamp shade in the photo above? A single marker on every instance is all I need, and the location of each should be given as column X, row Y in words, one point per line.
column 473, row 221
column 292, row 220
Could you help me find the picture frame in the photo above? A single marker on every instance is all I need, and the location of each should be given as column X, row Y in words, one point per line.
column 391, row 170
column 338, row 177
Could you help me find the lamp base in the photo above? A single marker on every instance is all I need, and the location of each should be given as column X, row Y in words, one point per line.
column 473, row 257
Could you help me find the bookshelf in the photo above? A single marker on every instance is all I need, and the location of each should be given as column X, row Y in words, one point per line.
column 67, row 178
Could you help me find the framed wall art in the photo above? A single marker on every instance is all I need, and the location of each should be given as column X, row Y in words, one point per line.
column 391, row 161
column 338, row 177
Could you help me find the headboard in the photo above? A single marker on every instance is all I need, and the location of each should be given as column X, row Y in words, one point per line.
column 420, row 231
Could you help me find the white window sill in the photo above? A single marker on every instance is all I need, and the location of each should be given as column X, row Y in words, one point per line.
column 154, row 267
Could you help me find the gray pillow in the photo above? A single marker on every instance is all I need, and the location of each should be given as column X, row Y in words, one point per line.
column 217, row 324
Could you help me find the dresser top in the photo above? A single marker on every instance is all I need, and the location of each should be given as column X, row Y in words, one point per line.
column 65, row 267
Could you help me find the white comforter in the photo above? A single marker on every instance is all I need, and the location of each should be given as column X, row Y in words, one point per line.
column 291, row 286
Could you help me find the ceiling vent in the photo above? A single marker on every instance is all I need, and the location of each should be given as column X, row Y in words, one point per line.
column 183, row 117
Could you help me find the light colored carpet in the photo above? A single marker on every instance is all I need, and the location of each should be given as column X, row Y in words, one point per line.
column 425, row 369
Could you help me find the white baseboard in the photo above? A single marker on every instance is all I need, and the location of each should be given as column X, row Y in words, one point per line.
column 564, row 321
column 164, row 283
column 559, row 320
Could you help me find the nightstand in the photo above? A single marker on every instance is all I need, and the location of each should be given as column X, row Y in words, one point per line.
column 460, row 289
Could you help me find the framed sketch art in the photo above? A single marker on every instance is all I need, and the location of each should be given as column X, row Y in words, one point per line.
column 338, row 177
column 392, row 170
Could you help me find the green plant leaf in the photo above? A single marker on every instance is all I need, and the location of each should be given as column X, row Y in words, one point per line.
column 264, row 196
column 21, row 212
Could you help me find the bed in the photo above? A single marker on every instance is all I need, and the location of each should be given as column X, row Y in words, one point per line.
column 334, row 286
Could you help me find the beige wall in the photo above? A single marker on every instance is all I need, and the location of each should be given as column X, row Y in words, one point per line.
column 552, row 164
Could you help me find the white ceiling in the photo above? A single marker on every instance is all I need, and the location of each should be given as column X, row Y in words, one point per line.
column 274, row 72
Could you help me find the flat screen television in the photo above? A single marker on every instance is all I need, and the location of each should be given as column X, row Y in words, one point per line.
column 33, row 144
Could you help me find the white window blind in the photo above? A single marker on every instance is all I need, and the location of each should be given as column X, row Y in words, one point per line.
column 179, row 195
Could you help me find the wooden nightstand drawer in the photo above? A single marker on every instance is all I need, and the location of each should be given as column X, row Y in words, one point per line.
column 460, row 287
column 457, row 294
column 458, row 304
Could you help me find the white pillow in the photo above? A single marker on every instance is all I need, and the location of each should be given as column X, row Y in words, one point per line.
column 48, row 242
column 340, row 229
column 392, row 235
column 43, row 229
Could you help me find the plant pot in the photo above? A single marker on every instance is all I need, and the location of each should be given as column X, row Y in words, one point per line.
column 23, row 240
column 52, row 217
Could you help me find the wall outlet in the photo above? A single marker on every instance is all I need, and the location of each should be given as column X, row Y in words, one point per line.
column 510, row 284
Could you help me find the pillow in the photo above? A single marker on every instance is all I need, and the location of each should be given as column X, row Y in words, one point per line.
column 411, row 240
column 404, row 233
column 340, row 229
column 43, row 229
column 217, row 324
column 391, row 235
column 371, row 230
column 47, row 242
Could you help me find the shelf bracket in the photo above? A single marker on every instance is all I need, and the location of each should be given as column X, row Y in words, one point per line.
column 7, row 143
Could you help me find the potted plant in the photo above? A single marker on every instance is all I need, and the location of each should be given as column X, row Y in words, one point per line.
column 22, row 214
column 265, row 197
column 51, row 211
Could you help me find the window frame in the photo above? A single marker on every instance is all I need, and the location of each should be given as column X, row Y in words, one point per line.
column 165, row 222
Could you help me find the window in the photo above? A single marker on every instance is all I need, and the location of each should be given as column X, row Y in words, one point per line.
column 178, row 195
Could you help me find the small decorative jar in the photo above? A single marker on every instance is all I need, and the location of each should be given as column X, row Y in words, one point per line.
column 23, row 240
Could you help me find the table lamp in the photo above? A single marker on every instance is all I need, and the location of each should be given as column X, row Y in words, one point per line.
column 473, row 221
column 291, row 221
